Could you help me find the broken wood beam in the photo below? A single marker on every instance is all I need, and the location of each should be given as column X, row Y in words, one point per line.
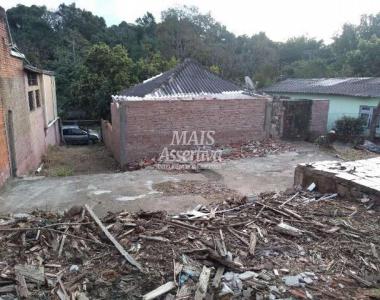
column 252, row 243
column 290, row 199
column 204, row 278
column 218, row 277
column 230, row 230
column 154, row 238
column 287, row 229
column 21, row 287
column 163, row 289
column 119, row 247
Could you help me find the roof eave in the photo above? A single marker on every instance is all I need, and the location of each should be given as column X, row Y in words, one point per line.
column 319, row 93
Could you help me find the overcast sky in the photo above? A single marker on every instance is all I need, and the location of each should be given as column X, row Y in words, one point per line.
column 280, row 19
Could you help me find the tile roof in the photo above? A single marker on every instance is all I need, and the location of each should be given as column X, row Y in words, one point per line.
column 186, row 79
column 354, row 86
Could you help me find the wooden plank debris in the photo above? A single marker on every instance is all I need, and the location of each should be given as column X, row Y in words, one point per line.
column 61, row 292
column 119, row 247
column 224, row 248
column 226, row 245
column 238, row 236
column 374, row 251
column 21, row 288
column 290, row 199
column 62, row 243
column 287, row 229
column 204, row 278
column 31, row 273
column 7, row 289
column 218, row 277
column 252, row 243
column 163, row 289
column 154, row 238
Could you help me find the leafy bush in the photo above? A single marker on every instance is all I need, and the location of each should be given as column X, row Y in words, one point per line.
column 349, row 128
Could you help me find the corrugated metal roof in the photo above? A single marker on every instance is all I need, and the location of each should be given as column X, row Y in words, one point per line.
column 187, row 78
column 353, row 86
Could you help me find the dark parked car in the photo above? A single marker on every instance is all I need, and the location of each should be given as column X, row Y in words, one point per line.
column 73, row 134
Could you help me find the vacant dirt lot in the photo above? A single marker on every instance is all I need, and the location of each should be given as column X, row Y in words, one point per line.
column 78, row 160
column 149, row 189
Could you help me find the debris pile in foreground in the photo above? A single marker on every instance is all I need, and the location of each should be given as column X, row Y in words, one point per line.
column 301, row 245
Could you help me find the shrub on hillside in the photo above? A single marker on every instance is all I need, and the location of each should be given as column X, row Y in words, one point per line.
column 349, row 128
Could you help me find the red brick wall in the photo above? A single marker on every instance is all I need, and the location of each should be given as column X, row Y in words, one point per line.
column 4, row 157
column 319, row 115
column 149, row 124
column 5, row 71
column 28, row 127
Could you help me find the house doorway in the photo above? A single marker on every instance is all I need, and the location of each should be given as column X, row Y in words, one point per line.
column 11, row 143
column 297, row 116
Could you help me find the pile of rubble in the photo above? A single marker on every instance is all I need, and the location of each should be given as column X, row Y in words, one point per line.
column 256, row 149
column 300, row 245
column 228, row 152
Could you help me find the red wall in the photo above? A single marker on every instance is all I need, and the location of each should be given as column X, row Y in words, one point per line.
column 28, row 126
column 149, row 125
column 4, row 161
column 319, row 115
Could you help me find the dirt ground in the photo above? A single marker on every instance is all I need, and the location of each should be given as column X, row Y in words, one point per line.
column 348, row 152
column 141, row 190
column 78, row 160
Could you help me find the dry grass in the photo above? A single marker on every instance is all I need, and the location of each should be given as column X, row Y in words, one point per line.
column 78, row 160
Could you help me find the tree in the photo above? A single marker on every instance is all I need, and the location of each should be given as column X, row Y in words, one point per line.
column 153, row 65
column 365, row 60
column 65, row 40
column 105, row 72
column 299, row 48
column 315, row 68
column 31, row 24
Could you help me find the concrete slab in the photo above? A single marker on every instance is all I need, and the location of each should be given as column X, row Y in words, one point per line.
column 270, row 173
column 349, row 179
column 106, row 192
column 134, row 190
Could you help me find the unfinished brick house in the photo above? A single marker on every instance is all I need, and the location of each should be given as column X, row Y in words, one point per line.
column 191, row 98
column 28, row 119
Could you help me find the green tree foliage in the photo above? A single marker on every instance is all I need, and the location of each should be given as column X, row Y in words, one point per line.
column 153, row 65
column 104, row 72
column 66, row 39
column 365, row 60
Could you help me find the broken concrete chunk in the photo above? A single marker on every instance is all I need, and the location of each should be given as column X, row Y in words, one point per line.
column 292, row 280
column 21, row 216
column 311, row 187
column 307, row 280
column 225, row 290
column 252, row 198
column 74, row 268
column 248, row 275
column 234, row 281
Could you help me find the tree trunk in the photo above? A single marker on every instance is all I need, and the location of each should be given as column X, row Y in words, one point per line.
column 374, row 122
